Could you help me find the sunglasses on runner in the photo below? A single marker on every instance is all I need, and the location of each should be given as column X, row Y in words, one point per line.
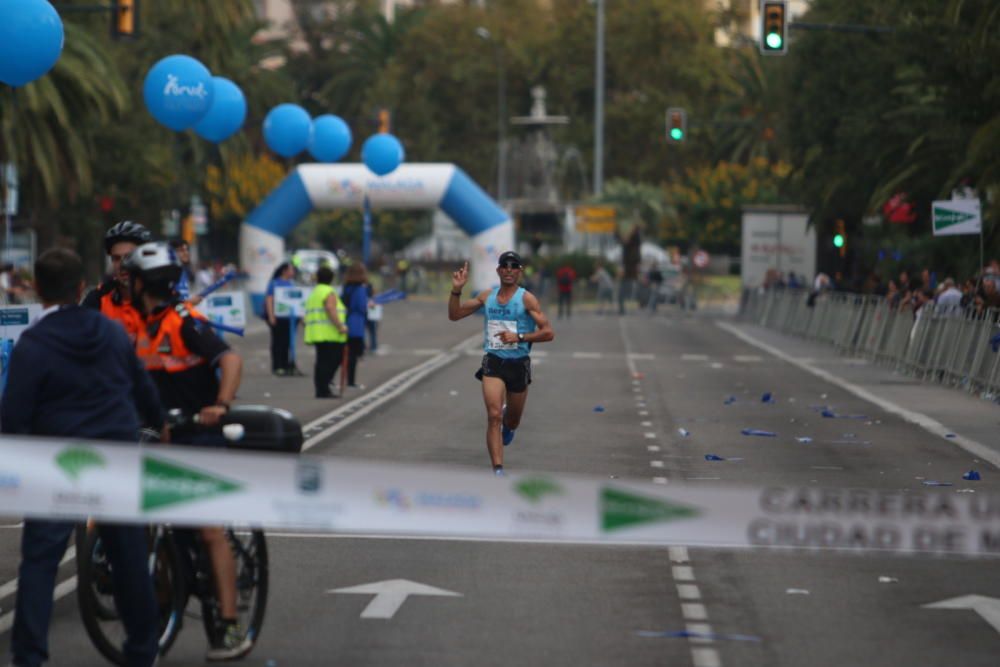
column 510, row 265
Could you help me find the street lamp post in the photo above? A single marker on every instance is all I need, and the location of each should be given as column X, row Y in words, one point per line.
column 599, row 102
column 485, row 34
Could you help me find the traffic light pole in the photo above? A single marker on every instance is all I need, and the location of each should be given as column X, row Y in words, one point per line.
column 599, row 102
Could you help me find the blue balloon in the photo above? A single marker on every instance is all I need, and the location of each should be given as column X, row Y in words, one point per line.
column 178, row 91
column 287, row 129
column 331, row 138
column 31, row 40
column 382, row 153
column 229, row 110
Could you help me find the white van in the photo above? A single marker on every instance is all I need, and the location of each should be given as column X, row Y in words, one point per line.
column 308, row 261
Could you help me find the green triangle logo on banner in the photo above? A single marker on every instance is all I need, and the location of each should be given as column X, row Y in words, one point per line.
column 620, row 509
column 944, row 217
column 165, row 483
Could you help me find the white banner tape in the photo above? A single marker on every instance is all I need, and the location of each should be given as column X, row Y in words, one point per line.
column 194, row 486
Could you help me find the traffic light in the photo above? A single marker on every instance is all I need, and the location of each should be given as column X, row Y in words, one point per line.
column 840, row 238
column 676, row 124
column 774, row 27
column 124, row 18
column 384, row 121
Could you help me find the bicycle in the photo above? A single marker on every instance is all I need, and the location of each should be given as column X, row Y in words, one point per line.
column 178, row 561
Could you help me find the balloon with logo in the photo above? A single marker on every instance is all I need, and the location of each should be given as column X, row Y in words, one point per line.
column 382, row 153
column 178, row 91
column 287, row 129
column 31, row 40
column 331, row 138
column 228, row 111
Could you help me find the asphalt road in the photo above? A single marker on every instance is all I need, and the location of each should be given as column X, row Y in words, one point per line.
column 551, row 604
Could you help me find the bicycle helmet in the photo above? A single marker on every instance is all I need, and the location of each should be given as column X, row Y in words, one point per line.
column 129, row 231
column 155, row 263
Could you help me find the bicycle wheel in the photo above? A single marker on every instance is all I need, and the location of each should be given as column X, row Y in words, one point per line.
column 95, row 593
column 250, row 550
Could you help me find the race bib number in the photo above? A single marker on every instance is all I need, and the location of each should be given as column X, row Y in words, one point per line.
column 494, row 328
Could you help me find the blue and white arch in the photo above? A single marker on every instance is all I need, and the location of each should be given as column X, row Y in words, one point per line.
column 411, row 186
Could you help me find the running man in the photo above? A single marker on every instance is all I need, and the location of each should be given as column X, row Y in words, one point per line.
column 513, row 322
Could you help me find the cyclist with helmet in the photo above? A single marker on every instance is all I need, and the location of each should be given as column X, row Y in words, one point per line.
column 181, row 353
column 111, row 297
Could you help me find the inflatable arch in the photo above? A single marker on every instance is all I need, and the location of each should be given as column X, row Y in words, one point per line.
column 411, row 186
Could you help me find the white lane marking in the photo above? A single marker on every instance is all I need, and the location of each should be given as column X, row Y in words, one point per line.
column 636, row 383
column 629, row 357
column 640, row 397
column 534, row 353
column 649, row 436
column 641, row 357
column 643, row 413
column 694, row 611
column 652, row 448
column 13, row 526
column 699, row 629
column 987, row 607
column 716, row 365
column 588, row 355
column 637, row 390
column 659, row 480
column 10, row 587
column 683, row 572
column 748, row 358
column 647, row 424
column 678, row 554
column 929, row 424
column 705, row 657
column 688, row 591
column 61, row 590
column 656, row 464
column 390, row 595
column 388, row 390
column 701, row 479
column 694, row 357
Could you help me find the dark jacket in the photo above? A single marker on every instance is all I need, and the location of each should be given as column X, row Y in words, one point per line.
column 75, row 373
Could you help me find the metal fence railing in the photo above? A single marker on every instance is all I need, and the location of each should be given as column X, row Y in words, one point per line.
column 949, row 347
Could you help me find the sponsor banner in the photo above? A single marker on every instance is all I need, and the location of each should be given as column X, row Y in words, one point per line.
column 228, row 308
column 415, row 186
column 956, row 217
column 290, row 301
column 193, row 486
column 15, row 319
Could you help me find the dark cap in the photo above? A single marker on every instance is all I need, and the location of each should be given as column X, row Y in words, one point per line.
column 510, row 256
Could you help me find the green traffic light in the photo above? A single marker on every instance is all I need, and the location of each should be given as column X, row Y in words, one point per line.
column 676, row 133
column 838, row 241
column 773, row 40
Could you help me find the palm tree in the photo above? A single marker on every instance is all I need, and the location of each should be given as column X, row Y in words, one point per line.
column 39, row 124
column 748, row 123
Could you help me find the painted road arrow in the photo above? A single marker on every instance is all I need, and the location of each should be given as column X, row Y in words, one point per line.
column 390, row 595
column 988, row 608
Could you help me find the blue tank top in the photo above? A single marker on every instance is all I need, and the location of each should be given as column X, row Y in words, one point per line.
column 510, row 316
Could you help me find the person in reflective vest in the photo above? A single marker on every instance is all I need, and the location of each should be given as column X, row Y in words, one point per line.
column 111, row 297
column 326, row 331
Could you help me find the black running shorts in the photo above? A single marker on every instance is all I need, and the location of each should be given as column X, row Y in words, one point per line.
column 515, row 373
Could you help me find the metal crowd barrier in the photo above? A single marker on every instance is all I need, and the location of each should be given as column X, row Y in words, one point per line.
column 950, row 347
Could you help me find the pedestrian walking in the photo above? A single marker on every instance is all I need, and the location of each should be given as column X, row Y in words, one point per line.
column 326, row 330
column 513, row 321
column 74, row 374
column 355, row 298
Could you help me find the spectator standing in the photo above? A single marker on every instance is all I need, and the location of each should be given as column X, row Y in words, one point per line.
column 655, row 278
column 74, row 374
column 326, row 331
column 605, row 288
column 281, row 327
column 355, row 298
column 374, row 317
column 631, row 256
column 949, row 301
column 187, row 279
column 565, row 277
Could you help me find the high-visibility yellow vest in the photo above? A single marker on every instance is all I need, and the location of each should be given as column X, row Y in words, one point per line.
column 319, row 328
